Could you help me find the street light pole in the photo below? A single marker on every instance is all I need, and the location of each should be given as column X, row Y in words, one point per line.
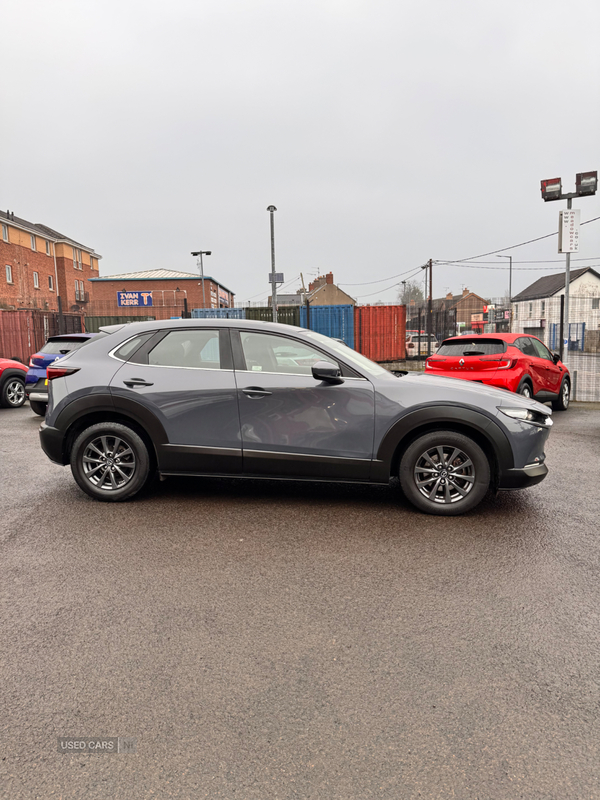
column 201, row 264
column 271, row 210
column 509, row 291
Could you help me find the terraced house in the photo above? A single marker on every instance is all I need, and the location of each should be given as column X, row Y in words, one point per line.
column 38, row 264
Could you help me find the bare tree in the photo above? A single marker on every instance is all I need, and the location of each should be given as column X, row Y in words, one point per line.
column 410, row 292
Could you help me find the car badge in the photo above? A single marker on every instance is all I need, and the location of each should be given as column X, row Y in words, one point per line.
column 462, row 362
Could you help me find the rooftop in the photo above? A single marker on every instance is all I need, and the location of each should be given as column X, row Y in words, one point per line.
column 160, row 275
column 42, row 230
column 550, row 285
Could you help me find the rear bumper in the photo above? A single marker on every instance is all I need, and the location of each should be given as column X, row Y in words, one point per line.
column 522, row 478
column 51, row 440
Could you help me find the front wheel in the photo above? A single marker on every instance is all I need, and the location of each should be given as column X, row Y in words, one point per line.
column 13, row 393
column 110, row 462
column 444, row 473
column 38, row 408
column 564, row 397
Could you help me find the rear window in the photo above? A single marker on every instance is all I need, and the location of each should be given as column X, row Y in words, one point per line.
column 472, row 347
column 58, row 347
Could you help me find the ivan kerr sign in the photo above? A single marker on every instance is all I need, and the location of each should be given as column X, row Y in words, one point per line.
column 140, row 299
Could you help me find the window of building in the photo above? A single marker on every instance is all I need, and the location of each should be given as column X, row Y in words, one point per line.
column 76, row 290
column 81, row 291
column 79, row 259
column 596, row 302
column 530, row 309
column 516, row 314
column 74, row 259
column 36, row 280
column 5, row 233
column 48, row 252
column 32, row 242
column 9, row 273
column 543, row 306
column 50, row 283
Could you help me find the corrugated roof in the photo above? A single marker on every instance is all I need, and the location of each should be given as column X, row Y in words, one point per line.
column 161, row 275
column 550, row 284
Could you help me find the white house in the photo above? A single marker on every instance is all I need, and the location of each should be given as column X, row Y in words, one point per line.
column 536, row 310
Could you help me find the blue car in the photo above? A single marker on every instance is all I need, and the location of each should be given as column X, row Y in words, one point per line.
column 36, row 385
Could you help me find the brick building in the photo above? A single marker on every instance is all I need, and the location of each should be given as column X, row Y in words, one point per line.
column 466, row 304
column 321, row 292
column 161, row 293
column 38, row 264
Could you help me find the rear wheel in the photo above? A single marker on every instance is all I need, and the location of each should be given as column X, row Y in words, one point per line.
column 13, row 393
column 444, row 473
column 525, row 388
column 564, row 397
column 38, row 408
column 110, row 461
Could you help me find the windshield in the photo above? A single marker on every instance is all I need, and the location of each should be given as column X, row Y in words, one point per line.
column 349, row 355
column 471, row 347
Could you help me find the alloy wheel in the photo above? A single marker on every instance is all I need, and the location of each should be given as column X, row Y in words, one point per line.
column 444, row 474
column 109, row 463
column 566, row 394
column 15, row 393
column 525, row 390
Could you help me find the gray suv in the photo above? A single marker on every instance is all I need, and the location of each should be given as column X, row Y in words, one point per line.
column 258, row 400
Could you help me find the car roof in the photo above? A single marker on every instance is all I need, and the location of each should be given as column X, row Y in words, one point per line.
column 505, row 337
column 154, row 325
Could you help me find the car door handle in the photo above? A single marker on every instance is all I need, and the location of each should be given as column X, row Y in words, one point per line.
column 254, row 392
column 133, row 382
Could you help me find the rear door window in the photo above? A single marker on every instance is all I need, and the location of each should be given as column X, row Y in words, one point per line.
column 193, row 349
column 472, row 347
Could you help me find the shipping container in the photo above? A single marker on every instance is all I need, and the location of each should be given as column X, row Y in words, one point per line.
column 380, row 332
column 334, row 321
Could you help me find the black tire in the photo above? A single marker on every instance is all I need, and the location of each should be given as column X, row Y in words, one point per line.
column 110, row 449
column 467, row 477
column 12, row 394
column 525, row 388
column 38, row 408
column 564, row 397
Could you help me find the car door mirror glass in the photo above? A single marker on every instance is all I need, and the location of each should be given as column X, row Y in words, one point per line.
column 328, row 372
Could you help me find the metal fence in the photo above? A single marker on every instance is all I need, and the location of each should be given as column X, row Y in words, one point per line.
column 24, row 331
column 418, row 325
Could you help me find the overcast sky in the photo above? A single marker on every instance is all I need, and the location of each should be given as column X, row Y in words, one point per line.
column 386, row 133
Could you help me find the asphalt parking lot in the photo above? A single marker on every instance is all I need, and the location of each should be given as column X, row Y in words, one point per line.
column 271, row 640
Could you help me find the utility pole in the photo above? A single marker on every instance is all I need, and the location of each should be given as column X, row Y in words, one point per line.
column 271, row 210
column 429, row 331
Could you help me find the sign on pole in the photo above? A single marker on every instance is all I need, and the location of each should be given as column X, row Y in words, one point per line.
column 275, row 277
column 568, row 231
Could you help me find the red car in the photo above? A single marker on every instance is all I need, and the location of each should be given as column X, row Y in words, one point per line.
column 12, row 383
column 513, row 361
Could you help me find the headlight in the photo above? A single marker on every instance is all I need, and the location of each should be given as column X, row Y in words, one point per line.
column 527, row 415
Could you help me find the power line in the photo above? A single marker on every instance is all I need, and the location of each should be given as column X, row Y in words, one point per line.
column 393, row 286
column 521, row 244
column 541, row 261
column 515, row 269
column 381, row 280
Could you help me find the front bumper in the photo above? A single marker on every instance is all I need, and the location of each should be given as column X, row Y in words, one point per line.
column 52, row 440
column 522, row 478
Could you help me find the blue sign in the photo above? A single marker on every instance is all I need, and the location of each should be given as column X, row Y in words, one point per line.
column 137, row 299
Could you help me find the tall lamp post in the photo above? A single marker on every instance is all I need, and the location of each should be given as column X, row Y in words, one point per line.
column 586, row 183
column 509, row 291
column 202, row 253
column 272, row 210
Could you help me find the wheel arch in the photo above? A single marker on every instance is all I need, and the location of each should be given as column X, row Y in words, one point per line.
column 484, row 431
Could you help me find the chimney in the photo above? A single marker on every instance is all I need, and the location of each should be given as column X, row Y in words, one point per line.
column 466, row 292
column 329, row 278
column 449, row 296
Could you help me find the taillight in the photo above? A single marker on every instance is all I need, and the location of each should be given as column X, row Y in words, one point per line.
column 507, row 363
column 59, row 372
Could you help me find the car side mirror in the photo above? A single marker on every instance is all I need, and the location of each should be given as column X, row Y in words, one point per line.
column 328, row 372
column 555, row 357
